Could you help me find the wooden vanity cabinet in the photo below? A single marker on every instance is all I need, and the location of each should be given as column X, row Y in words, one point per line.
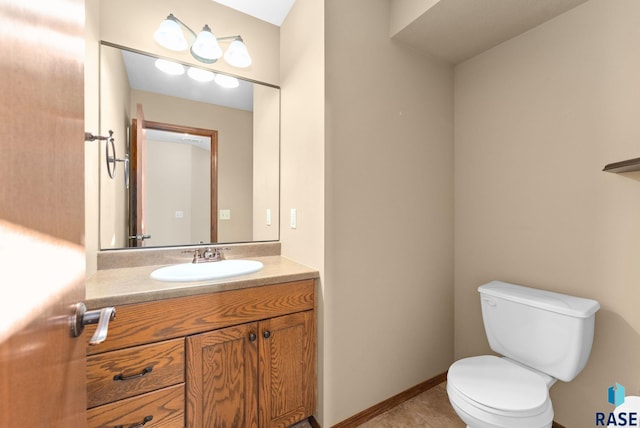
column 138, row 386
column 240, row 358
column 257, row 374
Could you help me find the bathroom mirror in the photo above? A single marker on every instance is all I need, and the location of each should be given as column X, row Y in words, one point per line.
column 171, row 187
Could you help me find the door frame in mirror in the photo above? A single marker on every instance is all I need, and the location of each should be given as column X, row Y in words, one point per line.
column 133, row 191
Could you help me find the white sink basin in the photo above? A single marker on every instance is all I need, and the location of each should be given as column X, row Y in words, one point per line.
column 204, row 271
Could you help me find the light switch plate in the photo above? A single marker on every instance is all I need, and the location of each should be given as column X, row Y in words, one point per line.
column 225, row 214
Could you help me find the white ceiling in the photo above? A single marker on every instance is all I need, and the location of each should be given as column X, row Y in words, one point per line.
column 199, row 141
column 457, row 30
column 273, row 11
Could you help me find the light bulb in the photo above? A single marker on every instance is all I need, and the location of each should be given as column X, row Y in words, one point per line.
column 205, row 48
column 200, row 75
column 169, row 67
column 227, row 81
column 169, row 35
column 237, row 55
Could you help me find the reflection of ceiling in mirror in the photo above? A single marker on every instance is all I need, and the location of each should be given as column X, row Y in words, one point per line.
column 144, row 76
column 273, row 11
column 177, row 137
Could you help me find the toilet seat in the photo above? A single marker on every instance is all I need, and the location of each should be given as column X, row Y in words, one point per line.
column 499, row 387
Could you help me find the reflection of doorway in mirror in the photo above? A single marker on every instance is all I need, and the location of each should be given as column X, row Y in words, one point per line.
column 177, row 205
column 180, row 185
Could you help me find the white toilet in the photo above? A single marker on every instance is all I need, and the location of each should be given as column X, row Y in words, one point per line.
column 543, row 336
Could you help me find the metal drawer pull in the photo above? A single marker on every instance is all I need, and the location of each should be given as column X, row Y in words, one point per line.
column 141, row 424
column 142, row 373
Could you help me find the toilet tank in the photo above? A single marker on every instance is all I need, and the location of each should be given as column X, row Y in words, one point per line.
column 547, row 331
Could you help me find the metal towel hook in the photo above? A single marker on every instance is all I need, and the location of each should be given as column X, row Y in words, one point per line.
column 110, row 155
column 88, row 136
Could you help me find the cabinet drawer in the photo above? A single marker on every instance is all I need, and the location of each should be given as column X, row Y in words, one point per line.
column 162, row 408
column 147, row 322
column 115, row 375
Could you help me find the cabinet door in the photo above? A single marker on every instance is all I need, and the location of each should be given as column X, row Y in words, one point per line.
column 287, row 369
column 222, row 370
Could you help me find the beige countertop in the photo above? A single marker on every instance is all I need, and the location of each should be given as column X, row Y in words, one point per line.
column 112, row 287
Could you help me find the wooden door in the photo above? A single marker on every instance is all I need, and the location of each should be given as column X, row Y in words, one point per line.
column 222, row 370
column 137, row 230
column 42, row 260
column 287, row 369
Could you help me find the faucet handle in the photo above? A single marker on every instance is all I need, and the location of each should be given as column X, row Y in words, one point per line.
column 213, row 254
column 196, row 254
column 219, row 253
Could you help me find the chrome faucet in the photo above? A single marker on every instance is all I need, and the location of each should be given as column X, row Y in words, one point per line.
column 212, row 255
column 207, row 255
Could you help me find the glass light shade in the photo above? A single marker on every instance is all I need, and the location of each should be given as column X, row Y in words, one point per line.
column 227, row 81
column 169, row 67
column 200, row 75
column 206, row 48
column 237, row 55
column 169, row 35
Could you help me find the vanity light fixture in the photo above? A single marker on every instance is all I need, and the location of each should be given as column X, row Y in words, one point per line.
column 204, row 45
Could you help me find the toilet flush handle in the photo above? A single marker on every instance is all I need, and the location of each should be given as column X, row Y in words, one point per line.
column 489, row 301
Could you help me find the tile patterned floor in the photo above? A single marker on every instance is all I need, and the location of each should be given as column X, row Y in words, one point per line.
column 431, row 409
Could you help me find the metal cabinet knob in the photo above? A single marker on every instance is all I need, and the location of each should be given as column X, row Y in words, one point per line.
column 266, row 334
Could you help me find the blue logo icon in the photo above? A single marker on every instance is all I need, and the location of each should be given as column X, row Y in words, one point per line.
column 616, row 394
column 623, row 415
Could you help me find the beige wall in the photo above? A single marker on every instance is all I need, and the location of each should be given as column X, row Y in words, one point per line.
column 302, row 173
column 177, row 178
column 200, row 221
column 537, row 118
column 91, row 123
column 370, row 173
column 115, row 116
column 404, row 12
column 266, row 162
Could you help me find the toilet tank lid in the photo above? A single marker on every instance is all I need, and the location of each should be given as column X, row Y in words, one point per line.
column 556, row 302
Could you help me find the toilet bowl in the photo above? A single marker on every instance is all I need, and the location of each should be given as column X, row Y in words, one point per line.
column 542, row 336
column 488, row 391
